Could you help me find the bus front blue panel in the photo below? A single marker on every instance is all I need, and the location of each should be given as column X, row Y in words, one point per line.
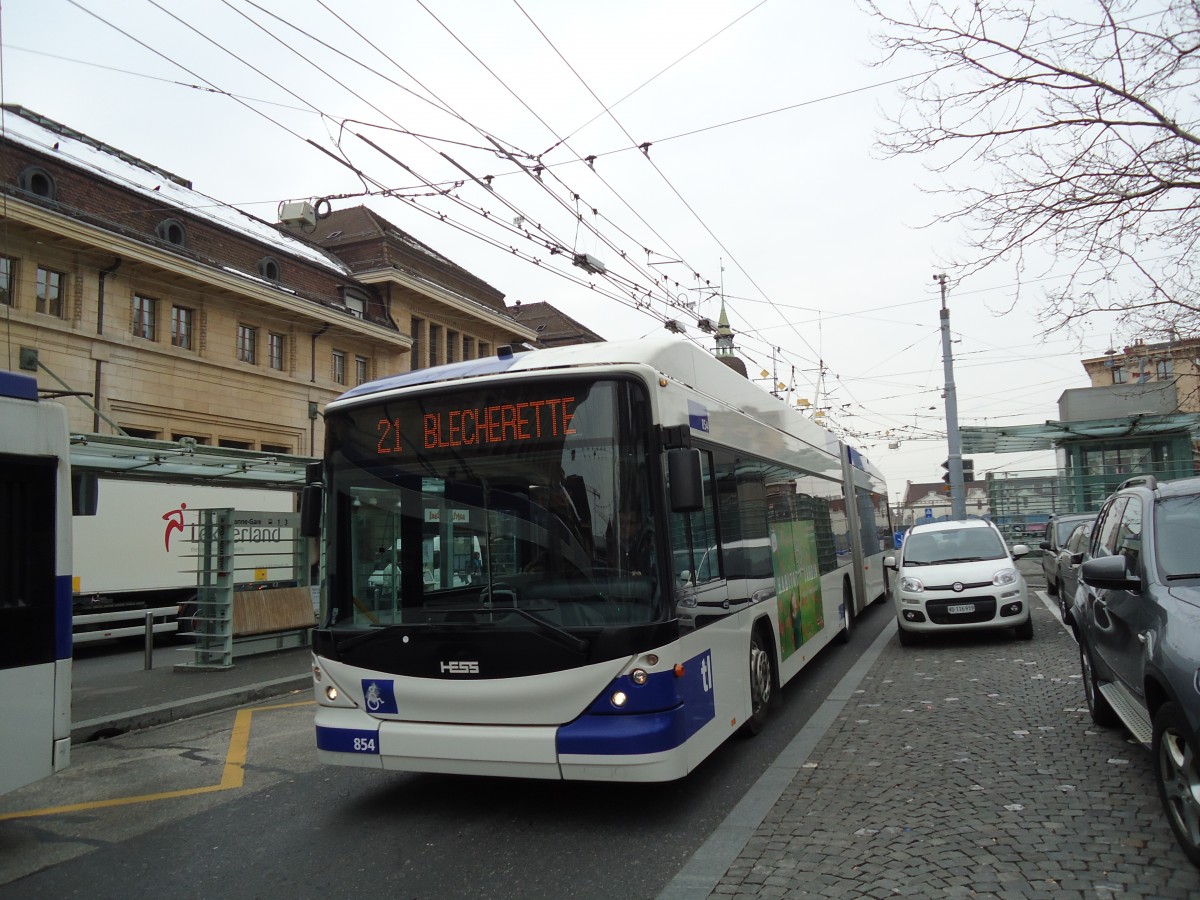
column 604, row 730
column 348, row 740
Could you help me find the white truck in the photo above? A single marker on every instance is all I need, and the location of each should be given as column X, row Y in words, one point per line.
column 140, row 552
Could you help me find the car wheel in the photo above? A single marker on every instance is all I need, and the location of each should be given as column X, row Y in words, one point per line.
column 762, row 682
column 1177, row 770
column 907, row 638
column 1024, row 631
column 1102, row 714
column 1051, row 586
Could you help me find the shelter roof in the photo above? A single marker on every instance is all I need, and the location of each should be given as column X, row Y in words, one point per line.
column 1048, row 435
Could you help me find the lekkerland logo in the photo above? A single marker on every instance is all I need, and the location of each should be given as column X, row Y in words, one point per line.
column 174, row 520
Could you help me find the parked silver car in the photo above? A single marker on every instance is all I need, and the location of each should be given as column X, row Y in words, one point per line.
column 1058, row 530
column 1067, row 563
column 1138, row 625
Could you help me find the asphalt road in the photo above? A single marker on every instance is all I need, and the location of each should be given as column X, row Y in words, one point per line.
column 294, row 828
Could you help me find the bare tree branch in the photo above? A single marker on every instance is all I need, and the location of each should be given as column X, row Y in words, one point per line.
column 1069, row 128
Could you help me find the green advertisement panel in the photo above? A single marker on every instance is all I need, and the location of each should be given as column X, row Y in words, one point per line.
column 797, row 583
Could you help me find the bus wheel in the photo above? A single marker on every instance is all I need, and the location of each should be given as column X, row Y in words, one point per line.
column 762, row 682
column 847, row 614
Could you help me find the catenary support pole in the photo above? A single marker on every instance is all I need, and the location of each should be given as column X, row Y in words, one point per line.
column 958, row 500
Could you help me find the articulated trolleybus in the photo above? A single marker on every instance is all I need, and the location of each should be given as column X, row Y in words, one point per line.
column 35, row 584
column 595, row 562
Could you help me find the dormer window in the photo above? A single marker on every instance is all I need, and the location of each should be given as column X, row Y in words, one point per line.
column 268, row 268
column 355, row 300
column 37, row 181
column 172, row 231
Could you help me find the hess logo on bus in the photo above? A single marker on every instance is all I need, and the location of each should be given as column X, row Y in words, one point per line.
column 459, row 667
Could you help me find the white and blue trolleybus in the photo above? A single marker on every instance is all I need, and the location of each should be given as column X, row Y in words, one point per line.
column 35, row 584
column 595, row 562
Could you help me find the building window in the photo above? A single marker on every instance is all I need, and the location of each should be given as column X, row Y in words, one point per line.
column 355, row 301
column 485, row 349
column 181, row 327
column 360, row 370
column 37, row 181
column 339, row 367
column 50, row 291
column 275, row 448
column 247, row 341
column 1162, row 368
column 468, row 347
column 234, row 444
column 418, row 336
column 148, row 433
column 275, row 351
column 451, row 346
column 435, row 338
column 8, row 275
column 145, row 311
column 172, row 231
column 268, row 268
column 1118, row 374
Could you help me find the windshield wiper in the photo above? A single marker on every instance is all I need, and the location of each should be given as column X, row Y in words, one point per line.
column 1184, row 575
column 570, row 640
column 351, row 642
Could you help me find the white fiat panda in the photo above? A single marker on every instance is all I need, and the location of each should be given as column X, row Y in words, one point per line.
column 958, row 576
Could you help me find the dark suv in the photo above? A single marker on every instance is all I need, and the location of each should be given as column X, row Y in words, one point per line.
column 1138, row 626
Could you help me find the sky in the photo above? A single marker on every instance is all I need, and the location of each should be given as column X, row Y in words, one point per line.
column 699, row 150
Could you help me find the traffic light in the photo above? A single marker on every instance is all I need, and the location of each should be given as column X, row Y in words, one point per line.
column 968, row 471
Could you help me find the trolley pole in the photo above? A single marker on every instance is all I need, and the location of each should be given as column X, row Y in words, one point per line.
column 958, row 500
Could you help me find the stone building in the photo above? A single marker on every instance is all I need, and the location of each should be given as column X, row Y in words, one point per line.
column 1174, row 363
column 159, row 312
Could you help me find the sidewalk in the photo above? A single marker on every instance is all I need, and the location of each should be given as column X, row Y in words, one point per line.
column 105, row 703
column 963, row 767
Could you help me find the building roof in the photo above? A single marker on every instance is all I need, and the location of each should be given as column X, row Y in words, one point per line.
column 73, row 148
column 553, row 326
column 357, row 225
column 919, row 490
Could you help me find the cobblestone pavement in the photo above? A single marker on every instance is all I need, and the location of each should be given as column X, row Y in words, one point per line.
column 968, row 767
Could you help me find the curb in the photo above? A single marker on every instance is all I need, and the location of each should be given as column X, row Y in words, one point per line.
column 134, row 720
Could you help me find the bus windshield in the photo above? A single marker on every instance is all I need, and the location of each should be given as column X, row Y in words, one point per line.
column 523, row 505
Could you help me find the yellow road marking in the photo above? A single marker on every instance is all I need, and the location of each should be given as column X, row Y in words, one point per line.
column 232, row 776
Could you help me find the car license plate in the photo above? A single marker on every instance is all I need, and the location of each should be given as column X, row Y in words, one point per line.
column 960, row 608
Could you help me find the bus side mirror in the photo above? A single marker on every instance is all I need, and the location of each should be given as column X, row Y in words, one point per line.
column 310, row 501
column 687, row 482
column 310, row 510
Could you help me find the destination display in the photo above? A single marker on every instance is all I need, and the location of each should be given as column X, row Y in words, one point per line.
column 527, row 421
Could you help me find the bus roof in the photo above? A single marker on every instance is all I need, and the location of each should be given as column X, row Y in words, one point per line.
column 679, row 360
column 670, row 356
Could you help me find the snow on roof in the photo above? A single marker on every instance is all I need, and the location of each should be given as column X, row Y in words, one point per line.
column 106, row 163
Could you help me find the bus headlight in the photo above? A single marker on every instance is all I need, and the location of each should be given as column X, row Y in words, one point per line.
column 619, row 699
column 638, row 676
column 331, row 693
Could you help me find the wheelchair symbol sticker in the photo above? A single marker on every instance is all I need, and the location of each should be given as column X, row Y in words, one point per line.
column 379, row 696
